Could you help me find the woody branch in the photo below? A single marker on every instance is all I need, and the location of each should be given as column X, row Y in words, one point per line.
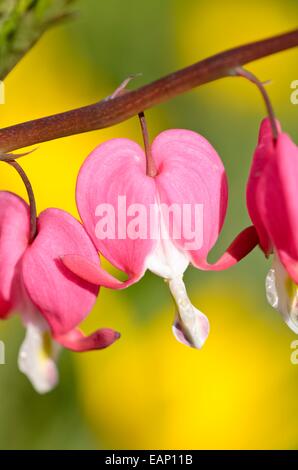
column 111, row 111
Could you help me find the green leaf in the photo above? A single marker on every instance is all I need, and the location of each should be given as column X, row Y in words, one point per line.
column 22, row 22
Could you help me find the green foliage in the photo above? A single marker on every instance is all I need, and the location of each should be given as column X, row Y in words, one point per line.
column 22, row 22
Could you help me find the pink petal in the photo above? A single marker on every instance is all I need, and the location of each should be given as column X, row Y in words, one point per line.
column 61, row 297
column 94, row 273
column 5, row 308
column 77, row 341
column 191, row 172
column 114, row 171
column 290, row 264
column 265, row 132
column 264, row 153
column 14, row 239
column 243, row 244
column 279, row 204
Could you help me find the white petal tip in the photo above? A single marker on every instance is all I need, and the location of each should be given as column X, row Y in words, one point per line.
column 195, row 336
column 43, row 379
column 37, row 359
column 271, row 292
column 282, row 294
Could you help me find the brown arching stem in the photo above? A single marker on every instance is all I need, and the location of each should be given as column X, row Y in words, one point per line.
column 108, row 112
column 150, row 164
column 32, row 203
column 241, row 72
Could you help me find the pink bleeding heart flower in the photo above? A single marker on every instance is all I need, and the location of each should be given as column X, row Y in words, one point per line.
column 51, row 300
column 272, row 205
column 160, row 223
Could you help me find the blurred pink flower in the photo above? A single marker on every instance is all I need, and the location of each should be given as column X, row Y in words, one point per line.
column 189, row 173
column 33, row 280
column 272, row 192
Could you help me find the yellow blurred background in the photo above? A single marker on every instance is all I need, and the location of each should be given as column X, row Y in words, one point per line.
column 148, row 391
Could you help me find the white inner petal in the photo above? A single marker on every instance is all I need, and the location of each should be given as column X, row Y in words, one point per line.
column 37, row 356
column 271, row 292
column 166, row 260
column 282, row 293
column 191, row 326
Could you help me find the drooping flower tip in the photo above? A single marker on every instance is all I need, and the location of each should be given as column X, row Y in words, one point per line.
column 106, row 337
column 193, row 336
column 76, row 341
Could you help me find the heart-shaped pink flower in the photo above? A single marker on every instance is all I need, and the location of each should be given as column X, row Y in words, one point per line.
column 33, row 280
column 272, row 205
column 160, row 223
